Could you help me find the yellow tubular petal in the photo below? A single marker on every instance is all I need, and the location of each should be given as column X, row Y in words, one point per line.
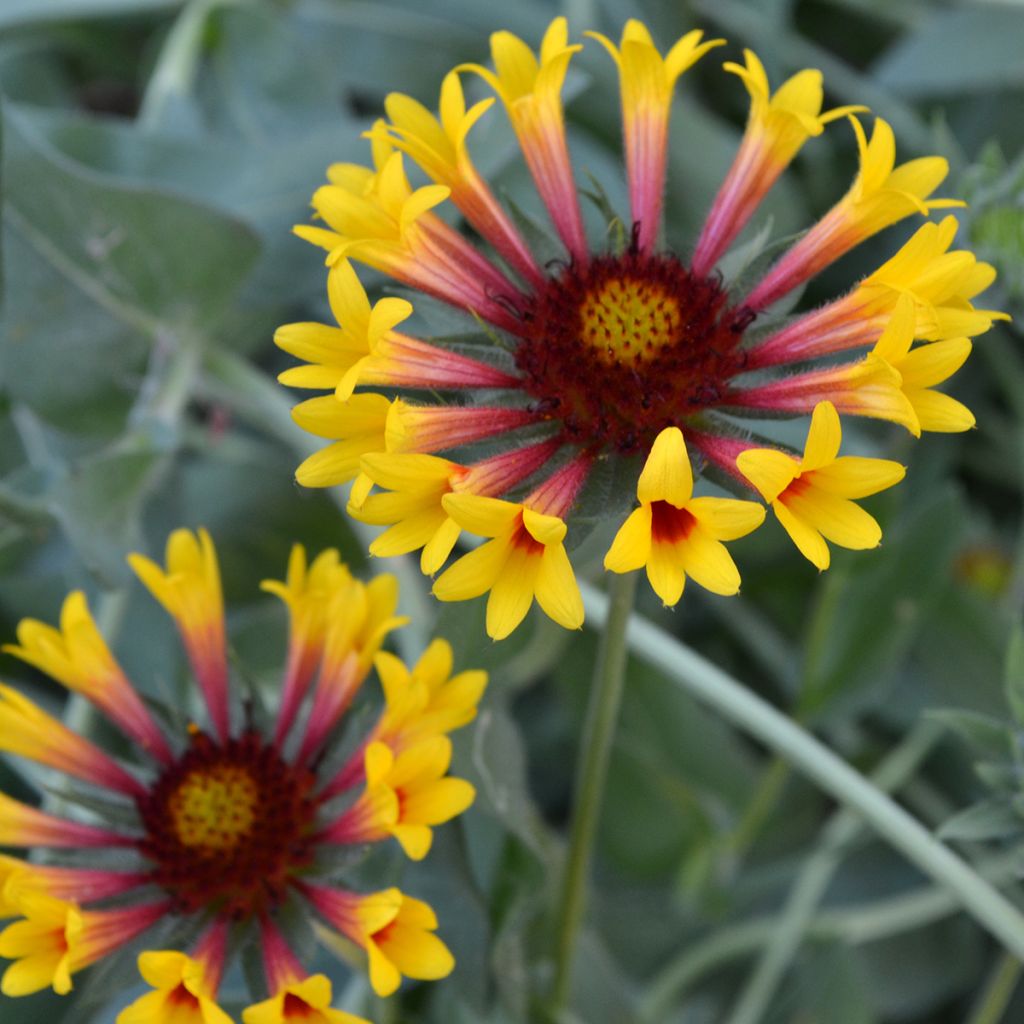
column 558, row 593
column 808, row 541
column 439, row 547
column 667, row 475
column 415, row 840
column 726, row 518
column 424, row 957
column 823, row 438
column 665, row 573
column 768, row 470
column 384, row 976
column 934, row 363
column 632, row 544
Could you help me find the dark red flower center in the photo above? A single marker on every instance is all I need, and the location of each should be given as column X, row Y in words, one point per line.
column 627, row 346
column 227, row 826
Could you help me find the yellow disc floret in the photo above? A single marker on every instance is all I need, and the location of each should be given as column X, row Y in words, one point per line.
column 631, row 320
column 214, row 808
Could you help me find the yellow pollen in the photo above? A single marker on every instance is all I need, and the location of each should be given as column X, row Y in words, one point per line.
column 629, row 320
column 214, row 808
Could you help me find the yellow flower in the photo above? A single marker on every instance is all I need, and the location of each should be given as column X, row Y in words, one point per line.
column 812, row 496
column 405, row 797
column 777, row 127
column 184, row 993
column 530, row 87
column 524, row 559
column 676, row 535
column 924, row 367
column 396, row 931
column 438, row 145
column 189, row 589
column 881, row 194
column 55, row 939
column 28, row 731
column 413, row 508
column 428, row 700
column 307, row 1001
column 647, row 81
column 77, row 656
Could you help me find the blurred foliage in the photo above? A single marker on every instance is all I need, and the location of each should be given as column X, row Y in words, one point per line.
column 155, row 155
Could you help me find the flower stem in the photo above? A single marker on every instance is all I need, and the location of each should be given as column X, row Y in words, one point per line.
column 998, row 991
column 595, row 750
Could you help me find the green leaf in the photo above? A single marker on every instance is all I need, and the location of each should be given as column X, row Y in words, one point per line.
column 958, row 52
column 985, row 733
column 1013, row 673
column 990, row 819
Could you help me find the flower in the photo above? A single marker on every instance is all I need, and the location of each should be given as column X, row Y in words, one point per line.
column 224, row 823
column 527, row 426
column 812, row 496
column 673, row 534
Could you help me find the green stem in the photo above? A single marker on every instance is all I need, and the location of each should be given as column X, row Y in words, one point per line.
column 810, row 886
column 175, row 70
column 595, row 752
column 710, row 685
column 998, row 992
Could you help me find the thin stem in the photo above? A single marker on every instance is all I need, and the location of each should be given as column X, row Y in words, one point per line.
column 595, row 751
column 997, row 992
column 712, row 686
column 810, row 885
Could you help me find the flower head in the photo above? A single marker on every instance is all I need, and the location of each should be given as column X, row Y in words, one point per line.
column 224, row 823
column 571, row 373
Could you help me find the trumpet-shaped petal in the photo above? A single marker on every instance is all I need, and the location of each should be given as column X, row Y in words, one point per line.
column 812, row 496
column 525, row 559
column 375, row 217
column 675, row 535
column 647, row 81
column 28, row 731
column 405, row 797
column 184, row 992
column 777, row 128
column 77, row 656
column 189, row 589
column 397, row 932
column 880, row 195
column 530, row 87
column 55, row 939
column 73, row 884
column 305, row 1001
column 308, row 591
column 924, row 367
column 21, row 825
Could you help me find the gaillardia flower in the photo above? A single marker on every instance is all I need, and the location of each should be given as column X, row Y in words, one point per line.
column 222, row 835
column 620, row 349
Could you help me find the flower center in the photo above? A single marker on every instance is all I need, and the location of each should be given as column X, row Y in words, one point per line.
column 214, row 808
column 628, row 345
column 227, row 826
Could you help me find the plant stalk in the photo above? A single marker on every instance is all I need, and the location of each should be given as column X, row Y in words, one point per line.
column 595, row 752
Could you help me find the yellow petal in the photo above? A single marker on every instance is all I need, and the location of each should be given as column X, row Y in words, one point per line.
column 473, row 574
column 823, row 438
column 512, row 592
column 808, row 541
column 665, row 573
column 769, row 470
column 726, row 518
column 707, row 562
column 854, row 476
column 632, row 544
column 667, row 475
column 558, row 593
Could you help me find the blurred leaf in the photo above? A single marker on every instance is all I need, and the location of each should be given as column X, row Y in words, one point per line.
column 24, row 12
column 986, row 734
column 991, row 819
column 1013, row 675
column 956, row 52
column 98, row 502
